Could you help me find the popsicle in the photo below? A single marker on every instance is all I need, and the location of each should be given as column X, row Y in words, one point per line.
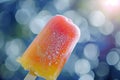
column 51, row 48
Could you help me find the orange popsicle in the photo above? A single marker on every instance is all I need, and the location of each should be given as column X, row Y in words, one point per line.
column 51, row 48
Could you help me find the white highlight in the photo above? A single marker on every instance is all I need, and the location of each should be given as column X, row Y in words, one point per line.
column 11, row 64
column 97, row 18
column 82, row 66
column 91, row 51
column 86, row 77
column 37, row 24
column 23, row 16
column 112, row 2
column 62, row 4
column 107, row 29
column 112, row 58
column 14, row 48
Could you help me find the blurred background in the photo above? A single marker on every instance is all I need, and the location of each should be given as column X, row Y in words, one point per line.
column 95, row 57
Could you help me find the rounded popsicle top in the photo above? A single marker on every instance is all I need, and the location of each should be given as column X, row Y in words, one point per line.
column 66, row 23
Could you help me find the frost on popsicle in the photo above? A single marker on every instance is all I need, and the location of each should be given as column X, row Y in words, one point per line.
column 51, row 48
column 55, row 43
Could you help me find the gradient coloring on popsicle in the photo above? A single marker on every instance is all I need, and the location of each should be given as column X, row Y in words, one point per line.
column 51, row 48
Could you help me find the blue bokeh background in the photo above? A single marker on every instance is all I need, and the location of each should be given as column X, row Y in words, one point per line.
column 96, row 55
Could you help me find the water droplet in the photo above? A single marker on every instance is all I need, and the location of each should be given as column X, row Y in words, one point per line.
column 56, row 62
column 50, row 64
column 57, row 52
column 49, row 57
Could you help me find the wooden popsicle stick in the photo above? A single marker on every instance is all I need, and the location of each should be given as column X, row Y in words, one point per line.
column 29, row 76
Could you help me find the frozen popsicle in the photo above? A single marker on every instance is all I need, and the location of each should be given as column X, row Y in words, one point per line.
column 51, row 48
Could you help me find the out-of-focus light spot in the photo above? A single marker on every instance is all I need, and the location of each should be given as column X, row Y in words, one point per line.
column 6, row 74
column 102, row 69
column 107, row 29
column 92, row 74
column 1, row 40
column 117, row 38
column 86, row 77
column 94, row 63
column 85, row 34
column 117, row 66
column 23, row 16
column 82, row 66
column 28, row 5
column 74, row 16
column 71, row 63
column 2, row 1
column 110, row 7
column 81, row 23
column 91, row 51
column 95, row 33
column 97, row 18
column 37, row 24
column 58, row 3
column 14, row 48
column 112, row 58
column 112, row 3
column 43, row 13
column 11, row 64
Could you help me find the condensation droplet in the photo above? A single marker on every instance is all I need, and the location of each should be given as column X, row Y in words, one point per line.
column 50, row 64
